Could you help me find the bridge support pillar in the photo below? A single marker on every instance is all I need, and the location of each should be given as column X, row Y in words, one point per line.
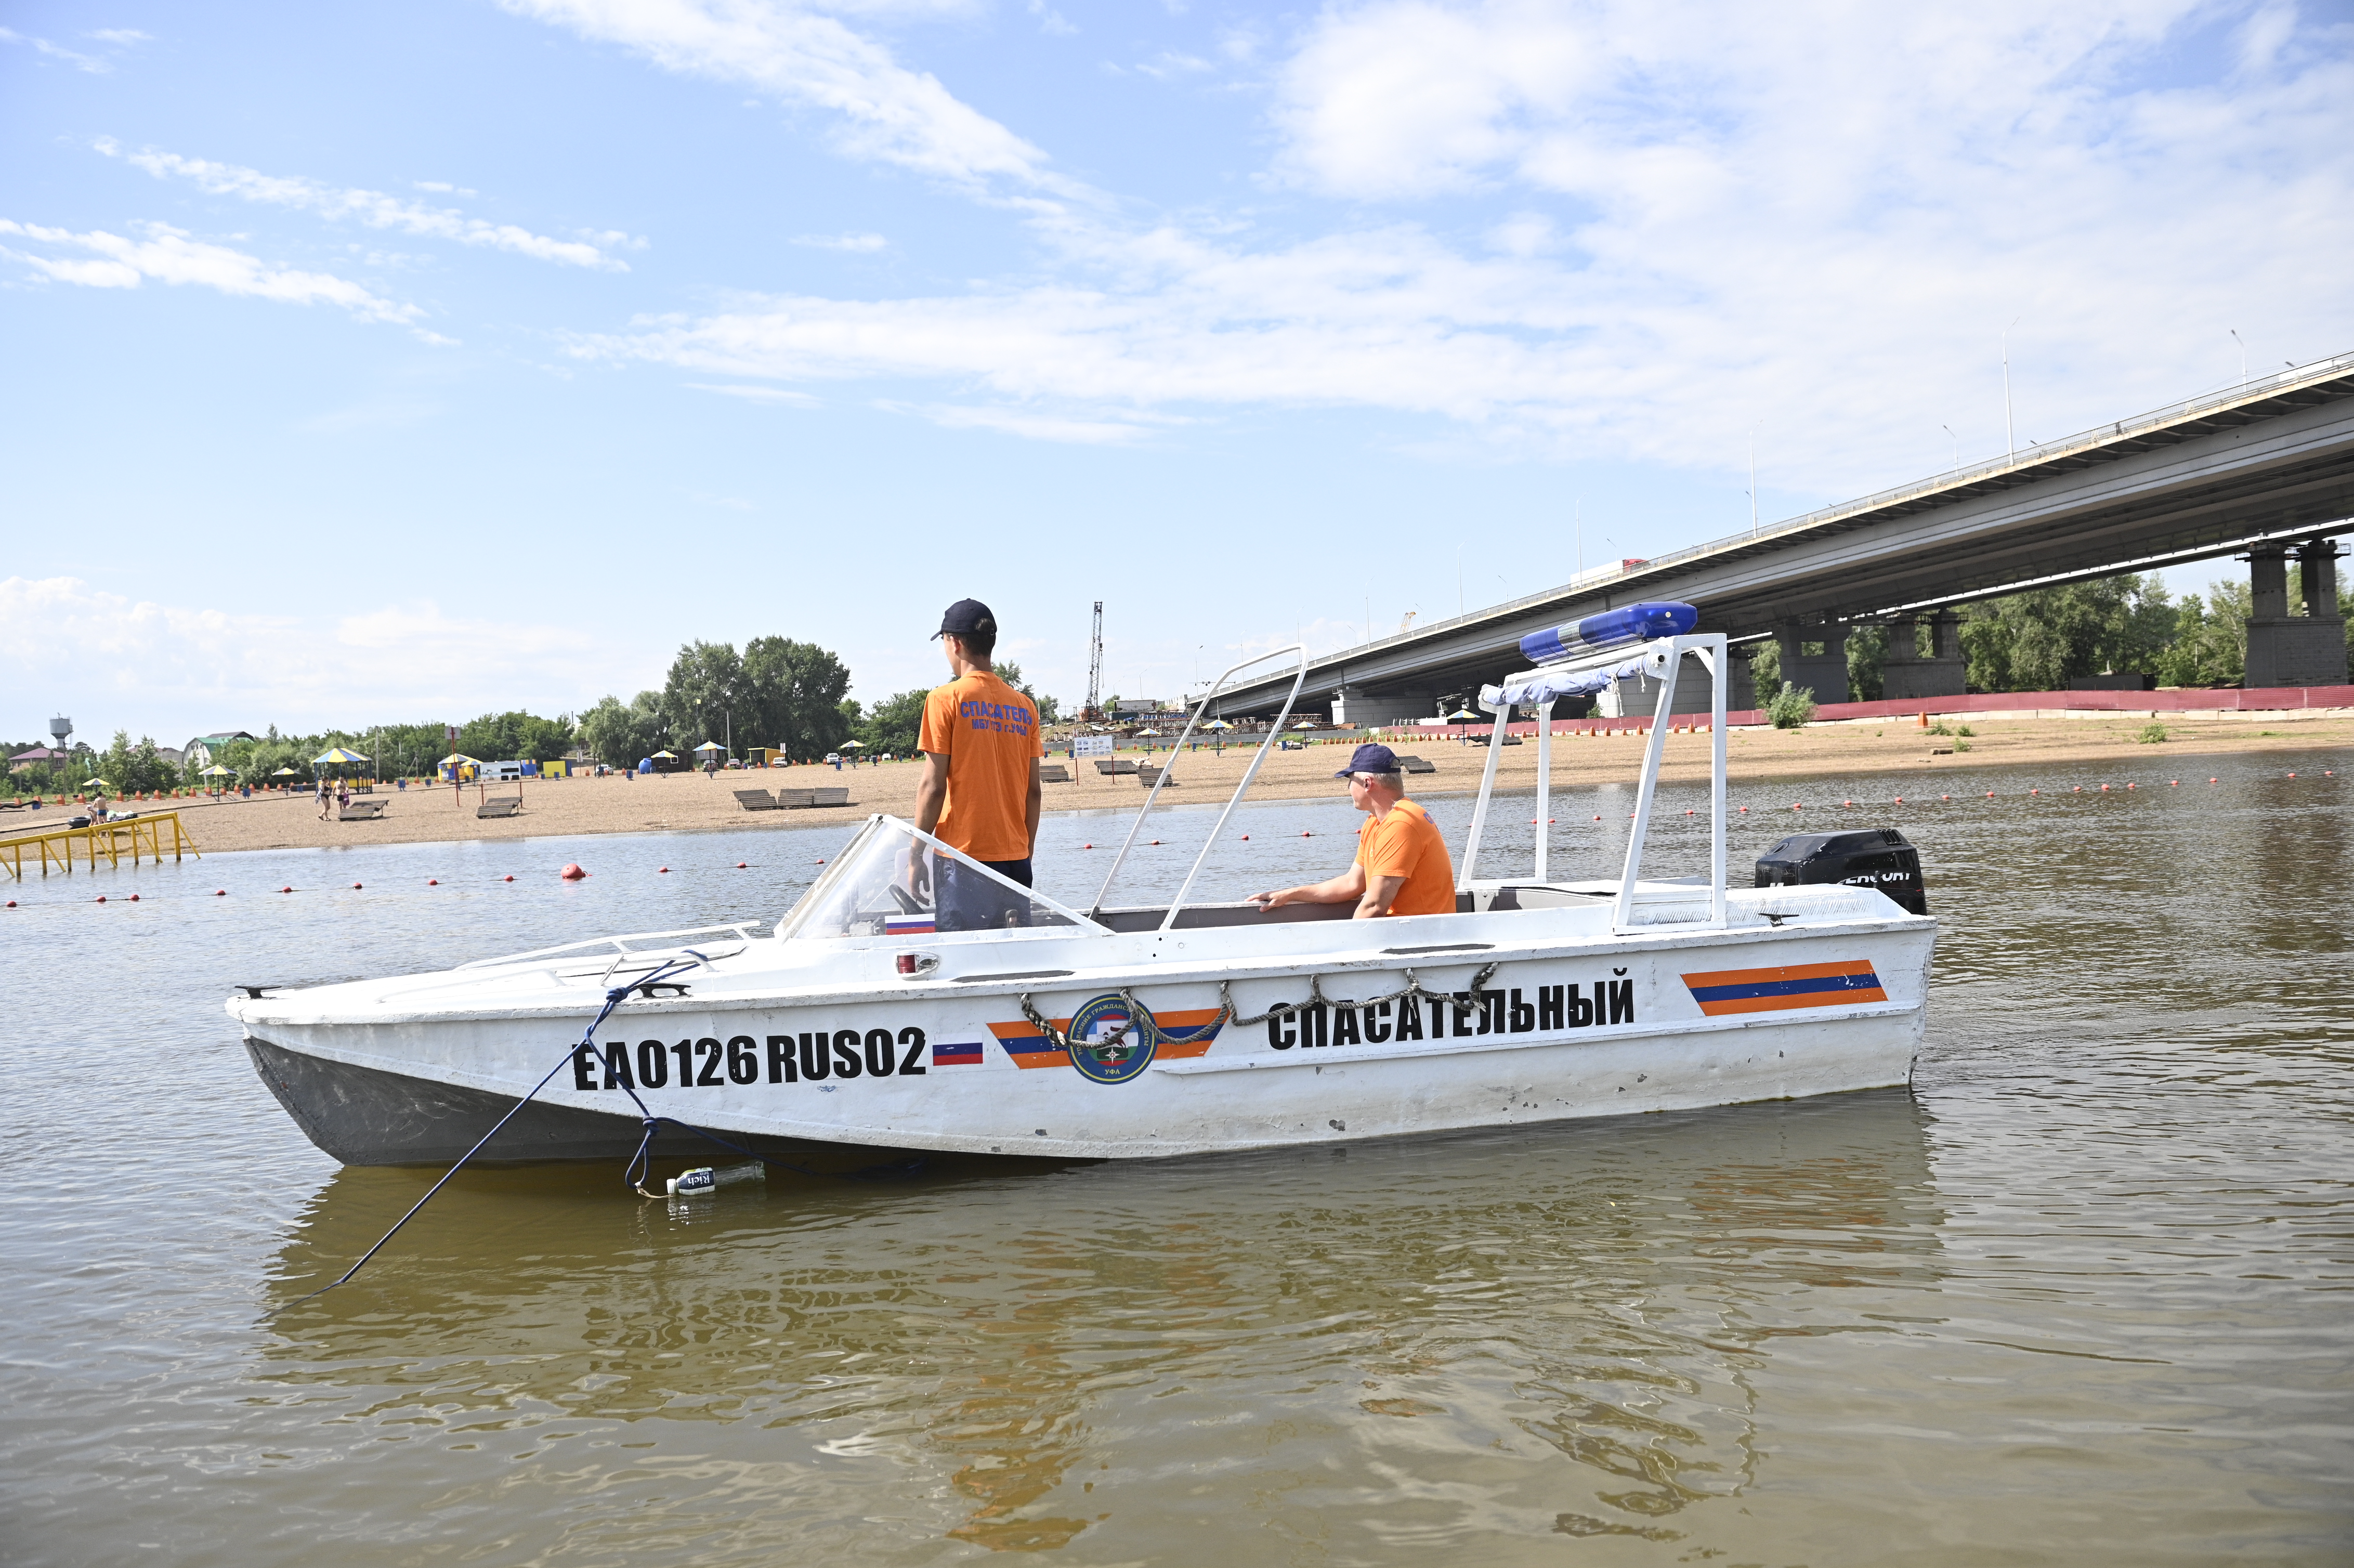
column 1639, row 697
column 2286, row 649
column 1822, row 671
column 1940, row 672
column 1741, row 695
column 1355, row 704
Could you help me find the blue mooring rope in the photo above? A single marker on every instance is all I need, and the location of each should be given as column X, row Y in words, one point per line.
column 640, row 1164
column 613, row 998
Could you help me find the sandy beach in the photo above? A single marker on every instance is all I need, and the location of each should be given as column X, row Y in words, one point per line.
column 690, row 802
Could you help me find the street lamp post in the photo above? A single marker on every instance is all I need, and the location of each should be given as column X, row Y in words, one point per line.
column 2010, row 433
column 1957, row 447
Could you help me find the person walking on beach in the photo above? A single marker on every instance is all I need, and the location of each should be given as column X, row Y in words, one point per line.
column 980, row 791
column 322, row 799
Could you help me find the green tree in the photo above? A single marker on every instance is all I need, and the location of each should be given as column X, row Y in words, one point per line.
column 2210, row 646
column 702, row 693
column 2041, row 639
column 134, row 769
column 1867, row 653
column 893, row 724
column 618, row 734
column 516, row 736
column 790, row 695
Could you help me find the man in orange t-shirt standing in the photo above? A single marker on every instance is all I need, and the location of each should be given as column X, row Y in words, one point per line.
column 1401, row 866
column 979, row 794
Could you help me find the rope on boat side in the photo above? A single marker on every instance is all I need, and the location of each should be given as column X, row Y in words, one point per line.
column 613, row 998
column 1227, row 1015
column 1476, row 990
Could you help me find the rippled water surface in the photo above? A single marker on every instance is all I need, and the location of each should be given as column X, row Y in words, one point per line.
column 2085, row 1294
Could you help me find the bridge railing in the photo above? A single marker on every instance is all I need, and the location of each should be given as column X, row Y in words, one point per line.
column 2043, row 451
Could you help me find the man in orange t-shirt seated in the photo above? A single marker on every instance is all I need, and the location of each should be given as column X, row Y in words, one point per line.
column 982, row 741
column 1401, row 866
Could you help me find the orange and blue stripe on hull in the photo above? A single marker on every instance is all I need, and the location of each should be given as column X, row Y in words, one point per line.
column 1182, row 1034
column 1723, row 991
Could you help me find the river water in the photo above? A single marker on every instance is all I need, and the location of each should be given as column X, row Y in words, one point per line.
column 2085, row 1294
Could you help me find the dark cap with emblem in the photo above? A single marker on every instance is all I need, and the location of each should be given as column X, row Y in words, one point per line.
column 967, row 618
column 1370, row 758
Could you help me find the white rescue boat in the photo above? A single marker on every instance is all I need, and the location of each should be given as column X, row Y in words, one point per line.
column 1123, row 1032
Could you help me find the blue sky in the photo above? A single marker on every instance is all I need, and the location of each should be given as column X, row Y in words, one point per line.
column 374, row 362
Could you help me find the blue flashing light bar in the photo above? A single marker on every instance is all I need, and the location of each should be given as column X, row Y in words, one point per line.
column 1611, row 628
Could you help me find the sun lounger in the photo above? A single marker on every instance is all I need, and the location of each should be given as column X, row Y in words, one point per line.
column 793, row 800
column 1054, row 773
column 1107, row 766
column 362, row 811
column 1415, row 765
column 504, row 806
column 1147, row 772
column 831, row 797
column 755, row 800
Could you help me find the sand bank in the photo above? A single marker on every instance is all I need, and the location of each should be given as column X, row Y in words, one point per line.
column 694, row 802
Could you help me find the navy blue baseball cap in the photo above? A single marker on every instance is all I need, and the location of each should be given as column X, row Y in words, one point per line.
column 1371, row 758
column 966, row 618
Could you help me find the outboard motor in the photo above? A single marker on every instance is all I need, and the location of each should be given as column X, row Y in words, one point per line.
column 1872, row 857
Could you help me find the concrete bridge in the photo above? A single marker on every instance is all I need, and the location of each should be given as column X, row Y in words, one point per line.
column 2264, row 470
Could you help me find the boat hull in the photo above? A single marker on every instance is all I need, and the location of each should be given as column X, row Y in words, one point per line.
column 1578, row 1021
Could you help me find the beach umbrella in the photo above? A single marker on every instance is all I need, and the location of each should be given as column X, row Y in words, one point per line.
column 847, row 745
column 286, row 773
column 460, row 759
column 1464, row 715
column 1140, row 734
column 1217, row 724
column 96, row 784
column 337, row 754
column 216, row 771
column 709, row 746
column 1304, row 723
column 672, row 756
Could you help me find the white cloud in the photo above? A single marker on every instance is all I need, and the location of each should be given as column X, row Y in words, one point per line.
column 1037, row 426
column 124, row 36
column 172, row 671
column 757, row 394
column 887, row 112
column 373, row 208
column 1685, row 223
column 56, row 51
column 169, row 256
column 853, row 242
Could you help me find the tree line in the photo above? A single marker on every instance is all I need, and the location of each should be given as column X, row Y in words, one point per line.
column 2041, row 639
column 777, row 692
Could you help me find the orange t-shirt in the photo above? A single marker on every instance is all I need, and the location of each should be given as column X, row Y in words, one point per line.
column 989, row 732
column 1406, row 843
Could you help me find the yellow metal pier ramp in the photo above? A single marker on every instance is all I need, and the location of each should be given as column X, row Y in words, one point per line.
column 151, row 835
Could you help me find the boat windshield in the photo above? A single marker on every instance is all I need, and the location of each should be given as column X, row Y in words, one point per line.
column 893, row 881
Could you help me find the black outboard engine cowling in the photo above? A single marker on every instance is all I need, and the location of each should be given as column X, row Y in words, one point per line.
column 1872, row 857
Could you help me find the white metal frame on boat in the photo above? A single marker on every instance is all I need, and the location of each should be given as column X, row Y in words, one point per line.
column 1662, row 660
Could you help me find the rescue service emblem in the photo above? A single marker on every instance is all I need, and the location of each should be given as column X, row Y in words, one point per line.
column 1097, row 1054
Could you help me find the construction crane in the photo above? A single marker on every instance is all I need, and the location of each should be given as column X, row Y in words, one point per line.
column 1093, row 711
